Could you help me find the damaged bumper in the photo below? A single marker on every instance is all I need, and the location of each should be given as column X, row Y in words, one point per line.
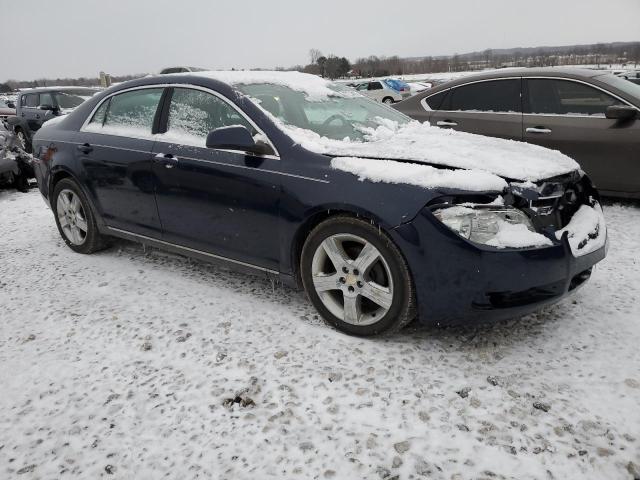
column 462, row 282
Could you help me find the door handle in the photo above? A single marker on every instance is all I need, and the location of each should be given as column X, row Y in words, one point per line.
column 167, row 159
column 85, row 148
column 538, row 130
column 22, row 114
column 446, row 123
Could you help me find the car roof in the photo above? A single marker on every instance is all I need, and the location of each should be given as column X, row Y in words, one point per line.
column 55, row 89
column 565, row 72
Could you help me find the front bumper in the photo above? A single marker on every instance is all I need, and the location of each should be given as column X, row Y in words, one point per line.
column 458, row 282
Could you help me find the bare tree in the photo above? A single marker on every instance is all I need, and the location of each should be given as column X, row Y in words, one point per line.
column 314, row 55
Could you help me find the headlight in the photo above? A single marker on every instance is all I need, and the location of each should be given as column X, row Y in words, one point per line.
column 490, row 226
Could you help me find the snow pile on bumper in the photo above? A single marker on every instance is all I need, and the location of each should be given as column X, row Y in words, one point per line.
column 586, row 232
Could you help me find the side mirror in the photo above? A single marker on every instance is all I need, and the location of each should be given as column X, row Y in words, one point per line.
column 621, row 112
column 237, row 137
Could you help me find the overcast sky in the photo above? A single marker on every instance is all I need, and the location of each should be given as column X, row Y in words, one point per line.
column 70, row 38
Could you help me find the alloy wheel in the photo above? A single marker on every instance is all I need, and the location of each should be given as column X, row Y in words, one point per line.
column 352, row 279
column 22, row 140
column 72, row 217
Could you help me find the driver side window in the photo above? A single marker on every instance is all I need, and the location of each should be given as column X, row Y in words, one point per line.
column 194, row 113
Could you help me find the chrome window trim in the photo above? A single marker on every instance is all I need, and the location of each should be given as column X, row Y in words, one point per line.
column 224, row 164
column 193, row 250
column 524, row 77
column 151, row 136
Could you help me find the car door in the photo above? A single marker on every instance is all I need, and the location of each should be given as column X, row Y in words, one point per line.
column 222, row 202
column 486, row 107
column 29, row 110
column 114, row 148
column 569, row 116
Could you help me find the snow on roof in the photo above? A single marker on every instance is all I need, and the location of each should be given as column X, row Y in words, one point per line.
column 314, row 87
column 424, row 143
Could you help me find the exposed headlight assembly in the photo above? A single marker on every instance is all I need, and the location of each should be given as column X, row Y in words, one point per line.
column 496, row 226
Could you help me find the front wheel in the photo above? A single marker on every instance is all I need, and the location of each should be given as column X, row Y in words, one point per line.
column 357, row 278
column 387, row 101
column 74, row 218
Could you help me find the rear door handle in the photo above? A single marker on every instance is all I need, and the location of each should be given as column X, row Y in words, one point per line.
column 167, row 159
column 85, row 148
column 538, row 130
column 446, row 123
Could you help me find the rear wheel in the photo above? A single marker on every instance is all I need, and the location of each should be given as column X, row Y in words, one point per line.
column 356, row 277
column 74, row 218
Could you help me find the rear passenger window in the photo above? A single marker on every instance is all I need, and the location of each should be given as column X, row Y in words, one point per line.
column 492, row 96
column 375, row 86
column 435, row 102
column 563, row 97
column 194, row 113
column 128, row 114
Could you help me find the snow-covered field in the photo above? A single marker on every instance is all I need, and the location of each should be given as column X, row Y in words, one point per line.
column 134, row 364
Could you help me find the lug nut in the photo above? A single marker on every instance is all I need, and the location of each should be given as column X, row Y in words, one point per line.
column 342, row 280
column 345, row 270
column 351, row 289
column 355, row 271
column 359, row 284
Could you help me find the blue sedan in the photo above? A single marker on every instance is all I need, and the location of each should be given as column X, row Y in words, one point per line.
column 379, row 218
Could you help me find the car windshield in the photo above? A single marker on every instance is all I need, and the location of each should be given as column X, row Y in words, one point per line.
column 343, row 115
column 626, row 86
column 73, row 98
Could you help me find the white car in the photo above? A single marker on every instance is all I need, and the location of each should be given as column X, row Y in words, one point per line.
column 379, row 91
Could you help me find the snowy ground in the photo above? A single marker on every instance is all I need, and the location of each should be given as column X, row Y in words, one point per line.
column 121, row 365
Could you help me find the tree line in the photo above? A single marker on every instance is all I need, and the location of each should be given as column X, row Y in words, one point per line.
column 332, row 66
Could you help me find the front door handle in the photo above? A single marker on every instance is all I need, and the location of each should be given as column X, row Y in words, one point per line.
column 167, row 159
column 446, row 123
column 85, row 148
column 538, row 130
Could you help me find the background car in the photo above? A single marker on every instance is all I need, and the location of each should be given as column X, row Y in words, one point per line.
column 592, row 116
column 257, row 169
column 385, row 91
column 631, row 75
column 36, row 106
column 167, row 70
column 7, row 109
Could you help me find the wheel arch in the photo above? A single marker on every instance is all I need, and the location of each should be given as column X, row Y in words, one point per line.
column 61, row 173
column 319, row 215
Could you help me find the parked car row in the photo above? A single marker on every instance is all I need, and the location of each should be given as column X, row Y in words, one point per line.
column 592, row 116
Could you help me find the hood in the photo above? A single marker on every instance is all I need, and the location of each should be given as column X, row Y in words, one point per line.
column 422, row 143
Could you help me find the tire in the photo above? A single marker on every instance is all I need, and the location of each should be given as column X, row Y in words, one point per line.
column 388, row 101
column 88, row 238
column 23, row 141
column 385, row 277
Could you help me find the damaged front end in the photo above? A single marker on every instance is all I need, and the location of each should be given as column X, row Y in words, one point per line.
column 503, row 255
column 529, row 215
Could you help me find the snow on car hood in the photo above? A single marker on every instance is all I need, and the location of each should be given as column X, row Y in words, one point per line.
column 420, row 142
column 412, row 141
